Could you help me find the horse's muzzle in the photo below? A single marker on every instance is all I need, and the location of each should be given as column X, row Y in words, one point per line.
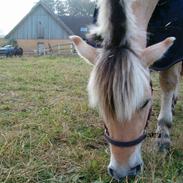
column 133, row 172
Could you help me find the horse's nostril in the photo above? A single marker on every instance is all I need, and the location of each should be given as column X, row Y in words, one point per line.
column 138, row 168
column 135, row 170
column 111, row 172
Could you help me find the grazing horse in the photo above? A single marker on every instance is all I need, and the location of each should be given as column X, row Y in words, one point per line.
column 161, row 25
column 119, row 83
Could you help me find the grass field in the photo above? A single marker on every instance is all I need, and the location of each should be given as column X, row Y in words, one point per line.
column 48, row 134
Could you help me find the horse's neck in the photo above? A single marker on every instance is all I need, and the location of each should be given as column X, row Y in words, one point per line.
column 143, row 10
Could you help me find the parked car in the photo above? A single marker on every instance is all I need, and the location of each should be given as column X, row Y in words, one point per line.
column 10, row 50
column 7, row 50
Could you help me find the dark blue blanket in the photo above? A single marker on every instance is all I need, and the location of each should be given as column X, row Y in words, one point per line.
column 167, row 20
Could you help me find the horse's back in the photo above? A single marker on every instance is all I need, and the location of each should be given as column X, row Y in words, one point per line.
column 167, row 20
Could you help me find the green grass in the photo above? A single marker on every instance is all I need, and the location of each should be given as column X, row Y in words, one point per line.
column 48, row 134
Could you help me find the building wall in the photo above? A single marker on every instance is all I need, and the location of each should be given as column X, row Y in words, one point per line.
column 39, row 22
column 30, row 46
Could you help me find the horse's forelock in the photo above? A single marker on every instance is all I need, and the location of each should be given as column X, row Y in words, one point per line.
column 118, row 97
column 118, row 82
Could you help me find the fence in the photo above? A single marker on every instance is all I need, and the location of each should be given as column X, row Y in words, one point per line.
column 56, row 50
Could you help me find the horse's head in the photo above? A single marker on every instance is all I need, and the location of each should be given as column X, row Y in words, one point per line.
column 126, row 158
column 119, row 84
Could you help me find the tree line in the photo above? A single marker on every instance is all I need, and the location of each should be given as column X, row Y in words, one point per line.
column 71, row 7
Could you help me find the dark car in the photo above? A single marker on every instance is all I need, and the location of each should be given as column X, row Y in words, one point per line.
column 10, row 50
column 7, row 50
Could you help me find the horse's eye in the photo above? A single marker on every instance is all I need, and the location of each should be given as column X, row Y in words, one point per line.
column 145, row 104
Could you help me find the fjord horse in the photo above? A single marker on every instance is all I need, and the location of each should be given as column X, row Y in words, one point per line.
column 119, row 84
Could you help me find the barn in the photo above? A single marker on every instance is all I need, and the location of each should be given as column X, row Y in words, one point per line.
column 41, row 28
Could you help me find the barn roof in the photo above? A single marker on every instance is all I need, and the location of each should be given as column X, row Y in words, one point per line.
column 72, row 25
column 77, row 24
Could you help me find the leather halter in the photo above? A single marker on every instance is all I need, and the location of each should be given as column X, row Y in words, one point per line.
column 125, row 144
column 129, row 143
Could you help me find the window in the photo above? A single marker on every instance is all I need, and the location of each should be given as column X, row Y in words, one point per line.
column 83, row 29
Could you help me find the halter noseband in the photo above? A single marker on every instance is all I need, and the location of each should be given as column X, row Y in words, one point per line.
column 124, row 144
column 129, row 143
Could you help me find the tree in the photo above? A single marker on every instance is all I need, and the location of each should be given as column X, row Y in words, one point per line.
column 50, row 4
column 60, row 7
column 80, row 7
column 71, row 7
column 12, row 42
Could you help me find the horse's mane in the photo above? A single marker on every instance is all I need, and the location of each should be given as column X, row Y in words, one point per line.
column 118, row 80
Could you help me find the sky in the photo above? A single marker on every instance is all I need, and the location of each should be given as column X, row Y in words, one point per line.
column 11, row 12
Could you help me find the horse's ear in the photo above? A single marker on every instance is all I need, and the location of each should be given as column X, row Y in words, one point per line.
column 84, row 50
column 155, row 52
